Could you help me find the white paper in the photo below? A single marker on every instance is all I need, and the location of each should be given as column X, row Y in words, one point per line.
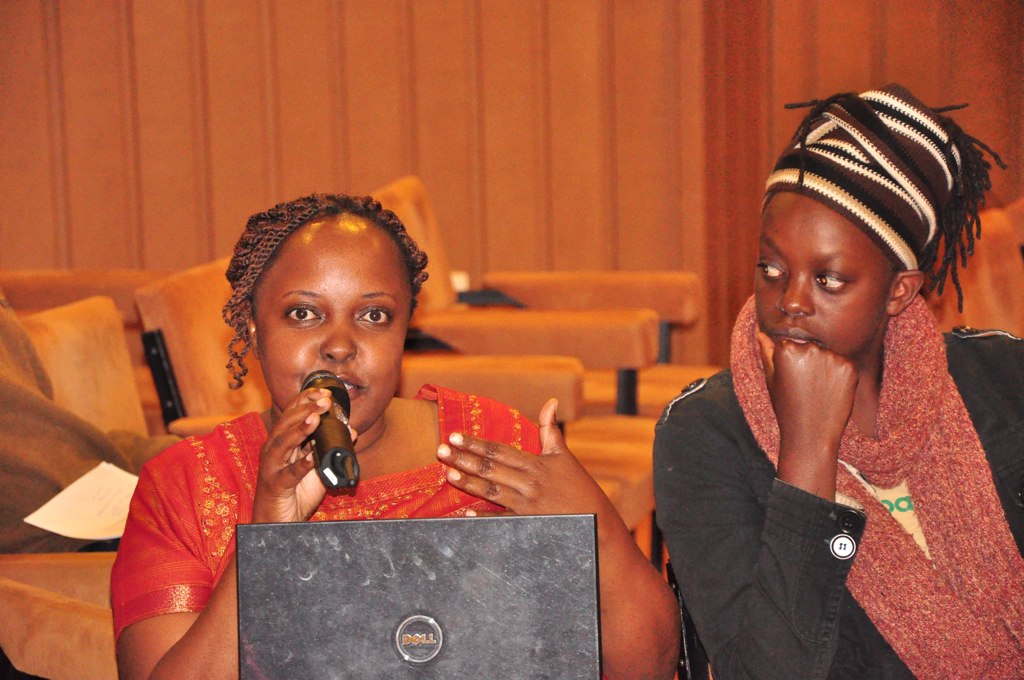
column 94, row 507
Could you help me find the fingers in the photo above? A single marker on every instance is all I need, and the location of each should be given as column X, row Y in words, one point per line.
column 551, row 438
column 283, row 451
column 547, row 412
column 485, row 468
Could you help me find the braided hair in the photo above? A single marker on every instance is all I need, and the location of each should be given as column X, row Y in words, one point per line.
column 907, row 175
column 259, row 244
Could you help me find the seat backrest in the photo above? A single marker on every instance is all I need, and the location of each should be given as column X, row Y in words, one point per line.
column 407, row 198
column 186, row 307
column 83, row 349
column 993, row 281
column 33, row 290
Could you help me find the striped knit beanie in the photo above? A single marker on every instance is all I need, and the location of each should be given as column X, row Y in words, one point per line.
column 906, row 175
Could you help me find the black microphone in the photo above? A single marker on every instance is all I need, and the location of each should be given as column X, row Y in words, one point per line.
column 333, row 449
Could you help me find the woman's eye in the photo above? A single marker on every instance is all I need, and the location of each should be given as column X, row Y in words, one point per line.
column 830, row 282
column 770, row 271
column 376, row 316
column 301, row 314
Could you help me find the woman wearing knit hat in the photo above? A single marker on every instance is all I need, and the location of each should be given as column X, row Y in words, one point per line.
column 847, row 499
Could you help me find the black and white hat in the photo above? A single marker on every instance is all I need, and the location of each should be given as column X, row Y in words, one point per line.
column 884, row 161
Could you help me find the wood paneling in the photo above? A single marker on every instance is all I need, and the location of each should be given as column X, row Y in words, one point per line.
column 447, row 136
column 305, row 99
column 552, row 134
column 99, row 135
column 32, row 213
column 646, row 135
column 584, row 233
column 173, row 181
column 515, row 141
column 377, row 96
column 239, row 123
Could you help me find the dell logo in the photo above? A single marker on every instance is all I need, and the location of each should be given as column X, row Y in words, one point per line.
column 418, row 638
column 415, row 639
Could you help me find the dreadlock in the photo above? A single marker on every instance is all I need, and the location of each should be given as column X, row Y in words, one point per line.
column 959, row 222
column 260, row 242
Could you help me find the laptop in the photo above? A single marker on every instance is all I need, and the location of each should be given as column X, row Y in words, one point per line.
column 479, row 597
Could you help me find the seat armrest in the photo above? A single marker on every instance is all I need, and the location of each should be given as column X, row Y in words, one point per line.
column 674, row 296
column 198, row 425
column 81, row 576
column 57, row 621
column 615, row 339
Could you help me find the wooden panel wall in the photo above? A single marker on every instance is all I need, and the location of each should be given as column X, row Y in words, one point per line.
column 552, row 134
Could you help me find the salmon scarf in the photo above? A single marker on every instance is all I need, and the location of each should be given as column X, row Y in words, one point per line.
column 962, row 612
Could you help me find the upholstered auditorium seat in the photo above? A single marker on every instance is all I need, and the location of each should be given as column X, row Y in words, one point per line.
column 56, row 619
column 190, row 363
column 83, row 349
column 582, row 299
column 33, row 290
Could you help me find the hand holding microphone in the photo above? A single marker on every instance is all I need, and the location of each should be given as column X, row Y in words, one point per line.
column 333, row 450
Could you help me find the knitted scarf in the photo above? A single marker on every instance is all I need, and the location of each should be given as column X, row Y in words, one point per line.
column 962, row 612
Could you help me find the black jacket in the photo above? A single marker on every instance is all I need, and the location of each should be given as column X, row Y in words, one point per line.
column 767, row 596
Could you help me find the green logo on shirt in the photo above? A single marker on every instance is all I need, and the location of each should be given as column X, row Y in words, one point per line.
column 902, row 504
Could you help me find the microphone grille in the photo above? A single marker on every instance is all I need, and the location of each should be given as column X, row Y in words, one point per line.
column 328, row 381
column 320, row 378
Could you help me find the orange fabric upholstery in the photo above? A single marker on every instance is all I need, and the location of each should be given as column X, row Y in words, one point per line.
column 82, row 347
column 600, row 341
column 674, row 296
column 584, row 314
column 57, row 622
column 186, row 307
column 33, row 290
column 656, row 386
column 619, row 339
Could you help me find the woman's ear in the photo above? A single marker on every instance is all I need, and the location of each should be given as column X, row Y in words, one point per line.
column 905, row 287
column 252, row 337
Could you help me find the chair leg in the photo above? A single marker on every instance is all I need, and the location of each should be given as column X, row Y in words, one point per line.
column 664, row 342
column 626, row 389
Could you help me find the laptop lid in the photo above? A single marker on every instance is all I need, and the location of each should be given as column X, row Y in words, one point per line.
column 487, row 597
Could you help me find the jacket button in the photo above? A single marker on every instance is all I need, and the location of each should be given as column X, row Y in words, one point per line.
column 851, row 521
column 1020, row 496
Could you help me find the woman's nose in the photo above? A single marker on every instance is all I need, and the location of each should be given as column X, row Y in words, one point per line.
column 338, row 344
column 795, row 298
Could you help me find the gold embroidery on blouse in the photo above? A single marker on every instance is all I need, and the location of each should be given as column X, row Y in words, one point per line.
column 235, row 448
column 475, row 424
column 517, row 429
column 218, row 509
